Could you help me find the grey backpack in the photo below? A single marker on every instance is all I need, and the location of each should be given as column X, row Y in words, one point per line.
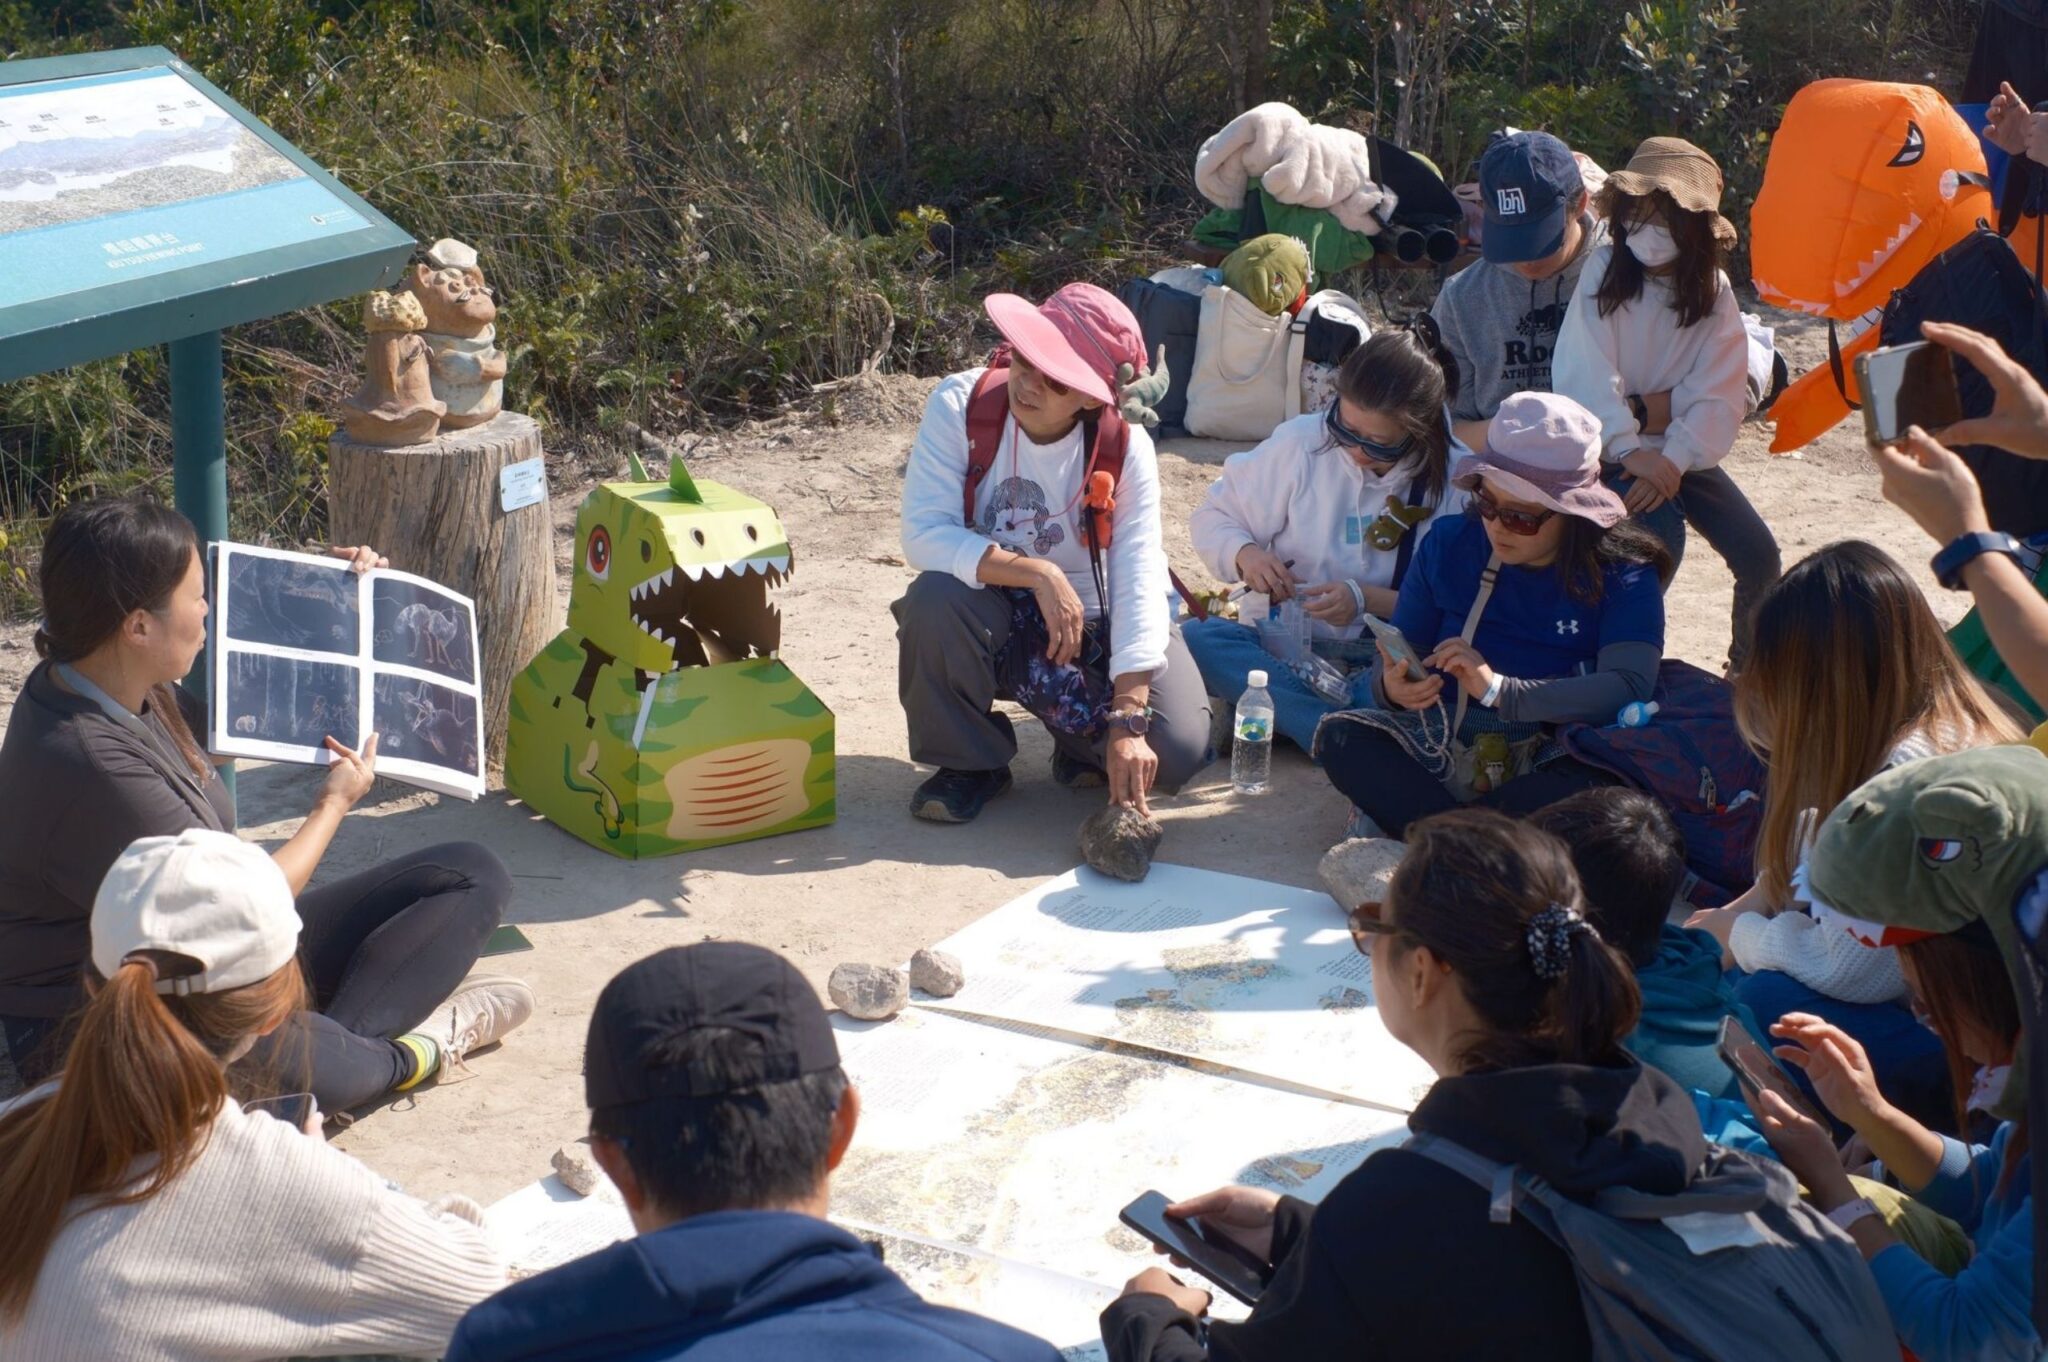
column 1733, row 1269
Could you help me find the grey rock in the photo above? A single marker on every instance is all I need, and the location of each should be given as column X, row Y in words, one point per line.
column 1119, row 842
column 868, row 992
column 936, row 973
column 576, row 1168
column 1360, row 869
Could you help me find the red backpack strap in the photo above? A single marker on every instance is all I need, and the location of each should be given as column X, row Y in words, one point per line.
column 1109, row 441
column 987, row 409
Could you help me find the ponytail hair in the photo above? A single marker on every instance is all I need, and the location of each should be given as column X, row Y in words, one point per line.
column 144, row 1077
column 1410, row 375
column 1497, row 901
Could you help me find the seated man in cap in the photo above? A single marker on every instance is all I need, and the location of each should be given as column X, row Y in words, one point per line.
column 1031, row 513
column 718, row 1108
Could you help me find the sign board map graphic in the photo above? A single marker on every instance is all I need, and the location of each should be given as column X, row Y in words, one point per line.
column 130, row 174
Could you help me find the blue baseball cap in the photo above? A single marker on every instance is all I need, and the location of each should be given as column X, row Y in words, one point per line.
column 1527, row 184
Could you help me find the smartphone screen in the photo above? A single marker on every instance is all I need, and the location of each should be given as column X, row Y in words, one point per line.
column 294, row 1108
column 1907, row 385
column 1759, row 1069
column 1212, row 1253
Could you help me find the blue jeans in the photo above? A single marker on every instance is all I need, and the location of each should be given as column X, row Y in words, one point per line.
column 1225, row 651
column 1911, row 1067
column 1711, row 502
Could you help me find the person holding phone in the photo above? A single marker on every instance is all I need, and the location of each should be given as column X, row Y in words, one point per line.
column 1330, row 509
column 150, row 1214
column 1544, row 604
column 1484, row 964
column 99, row 752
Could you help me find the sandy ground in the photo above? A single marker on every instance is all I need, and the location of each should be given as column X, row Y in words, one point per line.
column 879, row 884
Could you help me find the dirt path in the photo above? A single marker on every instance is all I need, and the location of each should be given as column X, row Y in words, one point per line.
column 878, row 884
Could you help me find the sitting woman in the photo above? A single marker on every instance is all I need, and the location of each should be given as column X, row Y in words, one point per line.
column 1654, row 313
column 148, row 1213
column 1329, row 510
column 100, row 751
column 1850, row 675
column 1983, row 1310
column 1544, row 605
column 1484, row 965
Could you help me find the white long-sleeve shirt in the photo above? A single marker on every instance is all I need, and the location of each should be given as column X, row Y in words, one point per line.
column 270, row 1244
column 1030, row 504
column 1300, row 497
column 1640, row 348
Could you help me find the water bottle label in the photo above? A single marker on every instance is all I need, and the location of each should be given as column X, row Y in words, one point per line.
column 1254, row 729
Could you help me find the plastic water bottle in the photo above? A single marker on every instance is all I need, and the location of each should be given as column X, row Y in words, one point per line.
column 1636, row 714
column 1251, row 750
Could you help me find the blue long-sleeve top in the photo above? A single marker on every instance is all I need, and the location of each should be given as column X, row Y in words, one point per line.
column 1982, row 1313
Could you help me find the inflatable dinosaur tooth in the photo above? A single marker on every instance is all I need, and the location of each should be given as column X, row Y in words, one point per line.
column 1865, row 183
column 660, row 720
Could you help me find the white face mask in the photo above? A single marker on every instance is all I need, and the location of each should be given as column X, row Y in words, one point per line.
column 1652, row 244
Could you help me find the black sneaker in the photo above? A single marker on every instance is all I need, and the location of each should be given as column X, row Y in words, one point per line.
column 1074, row 774
column 958, row 796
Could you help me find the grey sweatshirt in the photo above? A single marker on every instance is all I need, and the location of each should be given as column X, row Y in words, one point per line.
column 1503, row 329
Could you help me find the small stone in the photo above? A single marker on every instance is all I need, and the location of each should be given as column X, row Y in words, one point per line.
column 1360, row 870
column 1119, row 841
column 868, row 992
column 577, row 1169
column 936, row 973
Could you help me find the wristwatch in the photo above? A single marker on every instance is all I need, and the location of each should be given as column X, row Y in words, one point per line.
column 1949, row 563
column 1135, row 721
column 1849, row 1212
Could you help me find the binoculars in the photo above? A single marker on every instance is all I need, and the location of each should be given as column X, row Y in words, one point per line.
column 1439, row 245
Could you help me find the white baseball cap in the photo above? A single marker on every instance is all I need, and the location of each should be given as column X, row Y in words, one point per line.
column 207, row 895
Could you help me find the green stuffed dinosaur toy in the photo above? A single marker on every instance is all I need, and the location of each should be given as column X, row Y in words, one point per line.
column 1928, row 848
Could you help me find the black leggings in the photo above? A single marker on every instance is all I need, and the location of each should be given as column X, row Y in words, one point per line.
column 381, row 950
column 1376, row 773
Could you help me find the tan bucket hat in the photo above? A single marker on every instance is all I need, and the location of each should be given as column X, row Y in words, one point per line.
column 1683, row 171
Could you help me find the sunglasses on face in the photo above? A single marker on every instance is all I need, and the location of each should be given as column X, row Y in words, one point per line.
column 1514, row 522
column 1372, row 449
column 1367, row 921
column 1052, row 385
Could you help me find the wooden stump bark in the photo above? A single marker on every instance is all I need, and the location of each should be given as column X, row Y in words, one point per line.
column 434, row 509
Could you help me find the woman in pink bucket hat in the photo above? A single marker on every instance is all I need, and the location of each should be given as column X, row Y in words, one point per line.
column 1031, row 513
column 1544, row 606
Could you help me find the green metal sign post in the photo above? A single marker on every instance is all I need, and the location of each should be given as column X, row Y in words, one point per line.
column 139, row 206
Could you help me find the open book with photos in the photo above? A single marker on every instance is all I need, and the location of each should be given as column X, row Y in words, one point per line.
column 304, row 648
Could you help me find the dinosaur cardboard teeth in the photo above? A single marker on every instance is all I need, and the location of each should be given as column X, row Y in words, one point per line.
column 661, row 719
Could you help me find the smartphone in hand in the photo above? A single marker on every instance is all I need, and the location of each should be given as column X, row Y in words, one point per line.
column 1907, row 385
column 1759, row 1070
column 1397, row 646
column 1211, row 1252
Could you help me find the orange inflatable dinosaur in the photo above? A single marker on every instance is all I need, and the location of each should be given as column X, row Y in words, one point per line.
column 1866, row 182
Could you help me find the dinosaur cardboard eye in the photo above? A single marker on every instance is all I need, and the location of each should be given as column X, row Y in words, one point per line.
column 646, row 551
column 698, row 535
column 598, row 557
column 753, row 534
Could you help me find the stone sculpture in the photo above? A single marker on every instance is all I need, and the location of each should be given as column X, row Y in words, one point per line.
column 396, row 404
column 461, row 332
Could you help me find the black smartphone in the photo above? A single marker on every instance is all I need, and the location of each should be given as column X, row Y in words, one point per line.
column 1213, row 1253
column 505, row 941
column 294, row 1108
column 1758, row 1069
column 1907, row 385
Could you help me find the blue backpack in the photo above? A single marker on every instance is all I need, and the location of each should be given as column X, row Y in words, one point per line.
column 1691, row 759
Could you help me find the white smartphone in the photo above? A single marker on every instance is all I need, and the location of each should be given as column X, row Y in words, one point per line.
column 1397, row 646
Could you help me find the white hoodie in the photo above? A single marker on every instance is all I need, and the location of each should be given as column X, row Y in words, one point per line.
column 1030, row 504
column 1300, row 497
column 1640, row 348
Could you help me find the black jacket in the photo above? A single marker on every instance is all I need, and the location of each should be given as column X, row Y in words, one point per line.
column 1401, row 1261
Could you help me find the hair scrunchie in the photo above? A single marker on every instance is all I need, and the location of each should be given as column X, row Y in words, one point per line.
column 1550, row 936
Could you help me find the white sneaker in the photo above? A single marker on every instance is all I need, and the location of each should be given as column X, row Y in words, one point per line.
column 483, row 1010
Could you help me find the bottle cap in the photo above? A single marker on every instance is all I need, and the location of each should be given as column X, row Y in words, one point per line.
column 1255, row 679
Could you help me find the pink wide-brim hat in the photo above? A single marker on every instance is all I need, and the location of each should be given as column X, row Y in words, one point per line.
column 1078, row 337
column 1545, row 448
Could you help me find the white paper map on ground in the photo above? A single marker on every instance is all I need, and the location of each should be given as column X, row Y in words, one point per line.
column 1017, row 1143
column 544, row 1224
column 1246, row 974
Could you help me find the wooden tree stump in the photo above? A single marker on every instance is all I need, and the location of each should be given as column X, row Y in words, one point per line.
column 434, row 509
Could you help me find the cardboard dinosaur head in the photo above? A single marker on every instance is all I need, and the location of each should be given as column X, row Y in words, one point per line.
column 677, row 574
column 1935, row 845
column 1865, row 184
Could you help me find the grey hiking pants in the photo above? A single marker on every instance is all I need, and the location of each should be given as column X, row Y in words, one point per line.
column 947, row 636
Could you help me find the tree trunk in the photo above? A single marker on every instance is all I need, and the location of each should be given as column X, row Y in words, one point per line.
column 1258, row 41
column 434, row 510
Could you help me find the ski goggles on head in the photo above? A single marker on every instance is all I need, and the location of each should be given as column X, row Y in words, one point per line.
column 1351, row 439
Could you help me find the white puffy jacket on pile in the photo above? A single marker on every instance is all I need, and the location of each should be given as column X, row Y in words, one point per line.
column 1296, row 161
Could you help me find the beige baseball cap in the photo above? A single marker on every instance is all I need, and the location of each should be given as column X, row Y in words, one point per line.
column 205, row 895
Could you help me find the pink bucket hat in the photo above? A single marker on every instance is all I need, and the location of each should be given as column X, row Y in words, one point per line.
column 1078, row 337
column 1545, row 448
